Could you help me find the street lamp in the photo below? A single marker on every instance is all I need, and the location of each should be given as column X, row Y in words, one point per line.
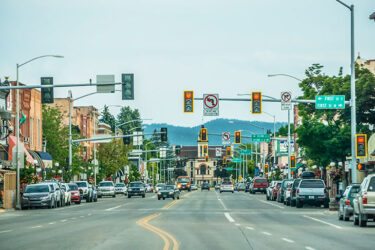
column 136, row 120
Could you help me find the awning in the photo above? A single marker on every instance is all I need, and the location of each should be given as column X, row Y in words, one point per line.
column 46, row 158
column 37, row 158
column 12, row 143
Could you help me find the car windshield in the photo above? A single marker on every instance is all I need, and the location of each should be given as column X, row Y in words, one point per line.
column 120, row 185
column 73, row 187
column 261, row 180
column 81, row 184
column 105, row 184
column 183, row 180
column 136, row 184
column 168, row 188
column 160, row 185
column 312, row 184
column 354, row 191
column 37, row 189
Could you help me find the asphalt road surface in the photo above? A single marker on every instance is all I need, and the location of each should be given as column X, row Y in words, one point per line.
column 199, row 220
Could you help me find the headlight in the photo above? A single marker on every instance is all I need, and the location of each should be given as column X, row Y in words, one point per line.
column 44, row 197
column 159, row 193
column 170, row 192
column 141, row 189
column 130, row 189
column 25, row 197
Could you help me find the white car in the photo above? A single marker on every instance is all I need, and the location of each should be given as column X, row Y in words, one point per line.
column 159, row 186
column 226, row 187
column 68, row 195
column 121, row 188
column 106, row 188
column 287, row 193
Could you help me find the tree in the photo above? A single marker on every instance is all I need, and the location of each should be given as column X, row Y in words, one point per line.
column 112, row 156
column 283, row 130
column 108, row 118
column 134, row 174
column 127, row 114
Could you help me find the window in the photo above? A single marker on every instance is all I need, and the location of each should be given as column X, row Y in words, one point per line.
column 371, row 186
column 38, row 136
column 31, row 131
column 203, row 169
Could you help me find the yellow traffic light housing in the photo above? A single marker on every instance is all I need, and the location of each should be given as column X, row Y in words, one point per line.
column 206, row 158
column 237, row 137
column 256, row 102
column 292, row 161
column 205, row 150
column 204, row 134
column 361, row 145
column 229, row 149
column 188, row 101
column 224, row 160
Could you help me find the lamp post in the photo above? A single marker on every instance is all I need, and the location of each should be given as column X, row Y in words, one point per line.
column 352, row 92
column 18, row 203
column 136, row 120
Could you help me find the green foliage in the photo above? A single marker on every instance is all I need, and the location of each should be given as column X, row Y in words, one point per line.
column 283, row 130
column 108, row 118
column 134, row 174
column 112, row 157
column 325, row 134
column 127, row 114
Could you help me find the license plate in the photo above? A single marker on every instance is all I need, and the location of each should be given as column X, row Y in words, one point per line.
column 311, row 197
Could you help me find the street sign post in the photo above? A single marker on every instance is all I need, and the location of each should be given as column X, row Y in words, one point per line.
column 260, row 137
column 286, row 100
column 226, row 138
column 330, row 102
column 210, row 104
column 245, row 152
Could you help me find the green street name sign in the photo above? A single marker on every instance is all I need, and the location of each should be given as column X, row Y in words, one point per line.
column 330, row 102
column 245, row 152
column 237, row 160
column 261, row 138
column 229, row 168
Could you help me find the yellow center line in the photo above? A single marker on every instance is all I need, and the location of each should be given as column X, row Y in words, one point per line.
column 164, row 235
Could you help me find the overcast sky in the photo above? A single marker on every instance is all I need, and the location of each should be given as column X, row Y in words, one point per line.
column 209, row 46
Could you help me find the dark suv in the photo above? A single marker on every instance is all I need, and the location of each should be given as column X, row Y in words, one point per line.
column 136, row 188
column 293, row 193
column 280, row 194
column 205, row 185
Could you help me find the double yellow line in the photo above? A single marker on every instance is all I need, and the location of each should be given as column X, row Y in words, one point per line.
column 167, row 238
column 170, row 204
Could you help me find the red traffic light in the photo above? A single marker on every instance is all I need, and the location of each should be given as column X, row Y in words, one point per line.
column 292, row 158
column 188, row 95
column 361, row 139
column 256, row 96
column 360, row 166
column 237, row 133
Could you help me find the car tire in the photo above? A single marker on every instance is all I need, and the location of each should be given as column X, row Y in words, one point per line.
column 178, row 197
column 159, row 198
column 99, row 196
column 340, row 216
column 163, row 198
column 326, row 204
column 298, row 204
column 143, row 196
column 114, row 196
column 232, row 192
column 345, row 217
column 268, row 198
column 355, row 219
column 173, row 198
column 362, row 220
column 129, row 196
column 96, row 199
column 221, row 191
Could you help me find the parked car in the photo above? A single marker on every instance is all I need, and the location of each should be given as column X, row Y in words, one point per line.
column 136, row 188
column 293, row 193
column 345, row 201
column 94, row 193
column 312, row 191
column 38, row 195
column 194, row 187
column 364, row 202
column 120, row 188
column 280, row 194
column 275, row 191
column 106, row 188
column 259, row 184
column 67, row 194
column 169, row 191
column 159, row 186
column 57, row 189
column 86, row 191
column 76, row 194
column 226, row 187
column 269, row 189
column 205, row 185
column 247, row 187
column 288, row 193
column 217, row 186
column 241, row 187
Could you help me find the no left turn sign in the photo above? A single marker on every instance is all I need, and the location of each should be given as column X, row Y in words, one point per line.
column 286, row 100
column 210, row 104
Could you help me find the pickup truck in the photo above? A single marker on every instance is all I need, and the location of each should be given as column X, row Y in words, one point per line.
column 364, row 202
column 258, row 185
column 312, row 191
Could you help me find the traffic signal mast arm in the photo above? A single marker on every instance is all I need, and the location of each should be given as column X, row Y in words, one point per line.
column 263, row 100
column 58, row 85
column 112, row 137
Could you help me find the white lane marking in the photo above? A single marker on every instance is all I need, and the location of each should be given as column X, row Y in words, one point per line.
column 82, row 216
column 6, row 231
column 109, row 209
column 309, row 248
column 229, row 218
column 288, row 240
column 37, row 226
column 238, row 224
column 51, row 223
column 269, row 203
column 250, row 228
column 63, row 220
column 73, row 218
column 324, row 222
column 88, row 214
column 267, row 233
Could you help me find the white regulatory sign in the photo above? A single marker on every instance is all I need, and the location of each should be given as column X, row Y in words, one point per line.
column 210, row 104
column 286, row 100
column 218, row 152
column 226, row 138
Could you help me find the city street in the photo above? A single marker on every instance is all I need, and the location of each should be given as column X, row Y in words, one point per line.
column 199, row 220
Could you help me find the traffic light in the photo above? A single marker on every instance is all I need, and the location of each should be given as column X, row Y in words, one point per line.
column 256, row 102
column 292, row 161
column 237, row 137
column 360, row 167
column 361, row 145
column 47, row 93
column 266, row 170
column 224, row 160
column 229, row 151
column 164, row 134
column 126, row 140
column 178, row 149
column 206, row 157
column 205, row 149
column 127, row 86
column 204, row 134
column 188, row 101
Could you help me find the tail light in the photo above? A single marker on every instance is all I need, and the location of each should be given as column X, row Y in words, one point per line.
column 347, row 202
column 364, row 198
column 188, row 184
column 289, row 189
column 325, row 191
column 297, row 191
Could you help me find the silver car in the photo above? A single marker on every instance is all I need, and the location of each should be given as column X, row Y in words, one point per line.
column 120, row 188
column 106, row 188
column 67, row 194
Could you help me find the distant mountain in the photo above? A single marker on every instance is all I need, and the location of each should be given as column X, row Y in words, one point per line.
column 188, row 135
